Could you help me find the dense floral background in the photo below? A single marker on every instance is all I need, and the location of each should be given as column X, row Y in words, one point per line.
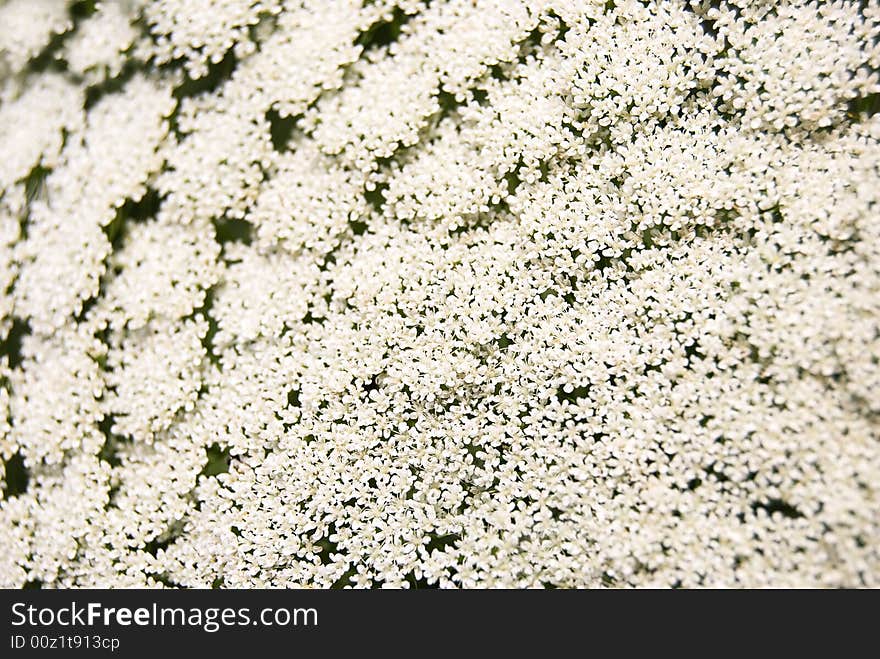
column 465, row 293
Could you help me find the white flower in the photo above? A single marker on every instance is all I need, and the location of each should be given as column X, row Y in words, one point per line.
column 468, row 294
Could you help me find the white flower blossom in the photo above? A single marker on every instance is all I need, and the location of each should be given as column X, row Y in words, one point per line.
column 98, row 48
column 473, row 293
column 28, row 27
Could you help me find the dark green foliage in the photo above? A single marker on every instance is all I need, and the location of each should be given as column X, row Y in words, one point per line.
column 11, row 346
column 281, row 128
column 218, row 460
column 17, row 476
column 233, row 230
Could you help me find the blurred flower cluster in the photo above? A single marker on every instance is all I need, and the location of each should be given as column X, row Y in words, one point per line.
column 461, row 293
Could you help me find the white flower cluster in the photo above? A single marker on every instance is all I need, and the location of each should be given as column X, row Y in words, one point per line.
column 28, row 27
column 98, row 48
column 461, row 293
column 202, row 31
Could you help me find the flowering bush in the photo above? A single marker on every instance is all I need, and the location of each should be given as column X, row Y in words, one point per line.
column 459, row 293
